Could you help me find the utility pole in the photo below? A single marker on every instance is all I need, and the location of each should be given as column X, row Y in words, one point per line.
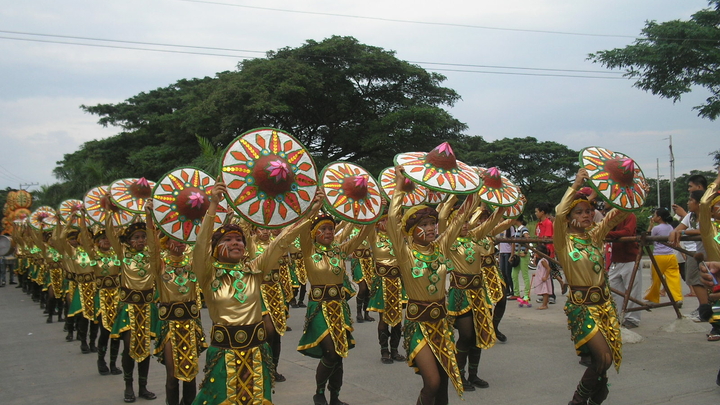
column 28, row 185
column 672, row 175
column 658, row 180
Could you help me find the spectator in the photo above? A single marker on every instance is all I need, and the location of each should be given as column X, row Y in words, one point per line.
column 544, row 229
column 665, row 257
column 622, row 259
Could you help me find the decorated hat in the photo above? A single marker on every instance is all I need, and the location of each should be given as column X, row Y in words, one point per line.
column 70, row 212
column 439, row 170
column 98, row 205
column 351, row 193
column 270, row 176
column 435, row 197
column 44, row 218
column 131, row 194
column 414, row 193
column 497, row 189
column 181, row 199
column 516, row 209
column 617, row 179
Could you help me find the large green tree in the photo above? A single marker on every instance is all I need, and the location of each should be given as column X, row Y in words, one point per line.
column 541, row 169
column 671, row 58
column 342, row 99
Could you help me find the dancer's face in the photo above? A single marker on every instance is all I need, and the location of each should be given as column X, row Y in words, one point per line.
column 382, row 224
column 231, row 248
column 424, row 232
column 103, row 243
column 464, row 230
column 263, row 234
column 325, row 234
column 138, row 240
column 175, row 247
column 581, row 216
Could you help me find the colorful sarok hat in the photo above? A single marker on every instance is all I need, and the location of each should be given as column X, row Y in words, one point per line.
column 351, row 192
column 98, row 204
column 70, row 212
column 516, row 209
column 617, row 178
column 414, row 193
column 497, row 189
column 44, row 218
column 270, row 176
column 181, row 199
column 439, row 170
column 131, row 194
column 435, row 197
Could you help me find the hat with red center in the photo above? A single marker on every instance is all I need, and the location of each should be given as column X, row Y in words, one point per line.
column 439, row 170
column 497, row 189
column 270, row 176
column 351, row 192
column 181, row 199
column 98, row 205
column 616, row 178
column 414, row 193
column 131, row 194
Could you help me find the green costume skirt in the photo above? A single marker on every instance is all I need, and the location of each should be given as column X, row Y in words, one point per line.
column 584, row 321
column 327, row 318
column 223, row 382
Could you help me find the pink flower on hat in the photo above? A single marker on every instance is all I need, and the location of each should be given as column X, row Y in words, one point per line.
column 196, row 199
column 278, row 169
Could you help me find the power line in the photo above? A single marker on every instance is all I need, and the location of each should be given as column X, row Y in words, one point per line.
column 408, row 21
column 11, row 174
column 250, row 57
column 483, row 27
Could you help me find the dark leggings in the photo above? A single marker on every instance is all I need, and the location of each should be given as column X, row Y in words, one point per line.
column 172, row 384
column 274, row 339
column 593, row 384
column 435, row 379
column 329, row 370
column 128, row 365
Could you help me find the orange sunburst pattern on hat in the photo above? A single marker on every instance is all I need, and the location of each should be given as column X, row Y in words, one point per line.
column 131, row 194
column 615, row 177
column 182, row 198
column 415, row 194
column 98, row 204
column 439, row 170
column 70, row 213
column 351, row 192
column 44, row 218
column 270, row 176
column 497, row 189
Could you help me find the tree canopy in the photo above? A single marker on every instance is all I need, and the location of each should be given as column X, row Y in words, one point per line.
column 672, row 57
column 342, row 99
column 541, row 169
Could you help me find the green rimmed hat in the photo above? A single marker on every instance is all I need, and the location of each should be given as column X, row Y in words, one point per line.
column 439, row 170
column 351, row 192
column 270, row 176
column 616, row 178
column 181, row 199
column 415, row 194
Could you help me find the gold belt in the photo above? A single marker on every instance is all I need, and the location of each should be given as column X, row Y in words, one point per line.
column 423, row 311
column 466, row 281
column 178, row 311
column 107, row 282
column 326, row 292
column 238, row 336
column 594, row 295
column 128, row 295
column 384, row 270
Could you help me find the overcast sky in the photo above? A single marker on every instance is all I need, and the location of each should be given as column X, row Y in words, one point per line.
column 43, row 82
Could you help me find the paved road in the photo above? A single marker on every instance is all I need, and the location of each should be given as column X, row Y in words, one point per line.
column 536, row 366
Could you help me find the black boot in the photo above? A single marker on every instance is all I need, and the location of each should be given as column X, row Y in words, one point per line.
column 93, row 335
column 50, row 310
column 60, row 307
column 359, row 317
column 114, row 349
column 189, row 391
column 82, row 325
column 395, row 336
column 129, row 393
column 368, row 318
column 70, row 326
column 102, row 365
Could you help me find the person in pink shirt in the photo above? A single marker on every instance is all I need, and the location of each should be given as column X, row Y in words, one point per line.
column 544, row 229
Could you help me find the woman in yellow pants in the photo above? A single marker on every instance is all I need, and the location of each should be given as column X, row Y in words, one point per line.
column 665, row 258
